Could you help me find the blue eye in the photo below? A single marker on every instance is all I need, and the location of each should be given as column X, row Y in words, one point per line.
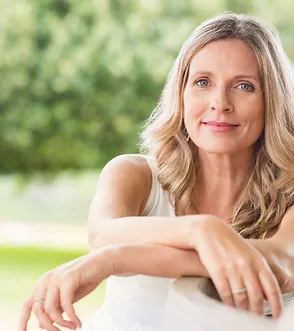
column 246, row 87
column 202, row 82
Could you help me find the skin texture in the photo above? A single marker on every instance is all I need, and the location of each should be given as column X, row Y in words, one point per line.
column 199, row 245
column 224, row 84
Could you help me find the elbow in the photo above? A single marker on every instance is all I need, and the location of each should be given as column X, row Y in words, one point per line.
column 95, row 240
column 96, row 235
column 91, row 245
column 95, row 243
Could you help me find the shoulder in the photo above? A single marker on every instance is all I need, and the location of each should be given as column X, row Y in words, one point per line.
column 129, row 174
column 129, row 164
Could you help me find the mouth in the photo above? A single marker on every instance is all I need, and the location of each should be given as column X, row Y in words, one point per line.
column 220, row 127
column 220, row 124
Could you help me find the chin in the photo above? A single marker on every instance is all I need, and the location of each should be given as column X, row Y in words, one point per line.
column 219, row 149
column 221, row 152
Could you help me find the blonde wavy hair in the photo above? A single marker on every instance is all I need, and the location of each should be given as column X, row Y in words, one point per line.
column 269, row 191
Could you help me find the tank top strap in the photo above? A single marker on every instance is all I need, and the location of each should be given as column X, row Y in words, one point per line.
column 154, row 195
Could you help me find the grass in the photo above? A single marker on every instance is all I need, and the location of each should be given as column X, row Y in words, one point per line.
column 63, row 202
column 21, row 268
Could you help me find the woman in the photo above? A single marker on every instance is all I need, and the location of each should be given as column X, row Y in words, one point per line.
column 213, row 196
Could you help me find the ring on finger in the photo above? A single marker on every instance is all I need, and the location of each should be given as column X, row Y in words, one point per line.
column 238, row 291
column 39, row 298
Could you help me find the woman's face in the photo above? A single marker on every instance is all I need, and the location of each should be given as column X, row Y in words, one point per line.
column 224, row 85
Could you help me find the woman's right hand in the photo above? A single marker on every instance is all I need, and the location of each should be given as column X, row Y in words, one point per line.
column 239, row 272
column 59, row 288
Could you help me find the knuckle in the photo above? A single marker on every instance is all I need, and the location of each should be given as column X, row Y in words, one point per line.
column 220, row 271
column 231, row 266
column 66, row 287
column 66, row 306
column 228, row 300
column 257, row 300
column 241, row 261
column 263, row 260
column 242, row 302
column 245, row 264
column 36, row 308
column 274, row 292
column 27, row 304
column 225, row 294
column 223, row 288
column 262, row 263
column 65, row 294
column 49, row 309
column 65, row 277
column 47, row 275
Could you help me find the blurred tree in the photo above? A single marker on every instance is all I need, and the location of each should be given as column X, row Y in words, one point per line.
column 78, row 78
column 239, row 6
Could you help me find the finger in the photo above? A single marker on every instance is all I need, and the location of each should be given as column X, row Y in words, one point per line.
column 66, row 303
column 52, row 308
column 45, row 321
column 222, row 285
column 236, row 283
column 254, row 291
column 26, row 312
column 272, row 291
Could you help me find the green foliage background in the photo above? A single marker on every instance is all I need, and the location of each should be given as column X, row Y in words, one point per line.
column 78, row 78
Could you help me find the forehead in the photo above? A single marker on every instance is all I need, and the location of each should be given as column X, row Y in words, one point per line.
column 231, row 57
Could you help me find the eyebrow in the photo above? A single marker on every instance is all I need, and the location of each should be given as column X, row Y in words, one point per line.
column 209, row 73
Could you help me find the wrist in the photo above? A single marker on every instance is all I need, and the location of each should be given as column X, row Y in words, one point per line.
column 107, row 259
column 199, row 226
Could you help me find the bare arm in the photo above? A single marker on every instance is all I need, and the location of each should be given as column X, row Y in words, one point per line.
column 114, row 218
column 115, row 214
column 154, row 260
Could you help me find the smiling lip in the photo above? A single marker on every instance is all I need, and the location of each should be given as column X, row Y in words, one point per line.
column 220, row 126
column 214, row 123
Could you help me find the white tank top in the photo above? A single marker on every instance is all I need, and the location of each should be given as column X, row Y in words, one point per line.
column 137, row 303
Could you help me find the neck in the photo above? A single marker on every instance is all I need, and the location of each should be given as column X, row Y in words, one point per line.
column 220, row 181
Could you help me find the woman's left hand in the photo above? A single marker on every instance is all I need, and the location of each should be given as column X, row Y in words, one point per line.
column 241, row 275
column 58, row 289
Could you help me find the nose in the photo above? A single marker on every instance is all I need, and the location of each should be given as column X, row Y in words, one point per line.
column 220, row 100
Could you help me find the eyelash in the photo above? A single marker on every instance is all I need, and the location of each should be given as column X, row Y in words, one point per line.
column 250, row 85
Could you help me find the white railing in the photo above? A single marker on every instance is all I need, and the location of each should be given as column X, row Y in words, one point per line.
column 193, row 305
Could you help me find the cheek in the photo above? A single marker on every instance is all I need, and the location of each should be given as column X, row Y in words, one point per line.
column 194, row 105
column 249, row 109
column 256, row 115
